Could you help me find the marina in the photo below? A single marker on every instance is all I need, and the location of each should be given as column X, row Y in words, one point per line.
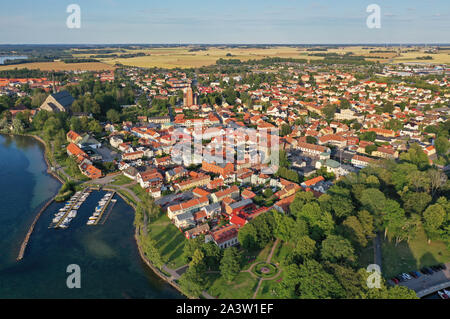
column 34, row 257
column 66, row 214
column 106, row 201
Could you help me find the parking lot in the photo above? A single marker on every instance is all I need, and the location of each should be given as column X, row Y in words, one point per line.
column 107, row 154
column 427, row 281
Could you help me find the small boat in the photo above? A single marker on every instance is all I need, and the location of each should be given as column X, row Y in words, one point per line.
column 72, row 214
column 91, row 222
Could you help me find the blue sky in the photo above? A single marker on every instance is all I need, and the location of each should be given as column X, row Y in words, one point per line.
column 228, row 21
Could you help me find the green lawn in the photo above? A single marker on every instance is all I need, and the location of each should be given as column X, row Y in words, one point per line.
column 170, row 241
column 414, row 255
column 250, row 257
column 280, row 252
column 121, row 180
column 242, row 287
column 139, row 191
column 266, row 289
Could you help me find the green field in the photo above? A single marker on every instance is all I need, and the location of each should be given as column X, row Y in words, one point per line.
column 250, row 257
column 170, row 241
column 243, row 286
column 121, row 180
column 411, row 256
column 266, row 290
column 280, row 252
column 138, row 190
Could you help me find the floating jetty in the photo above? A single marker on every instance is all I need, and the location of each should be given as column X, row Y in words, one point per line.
column 101, row 208
column 65, row 215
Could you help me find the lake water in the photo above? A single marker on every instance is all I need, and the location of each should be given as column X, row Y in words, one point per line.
column 4, row 58
column 107, row 254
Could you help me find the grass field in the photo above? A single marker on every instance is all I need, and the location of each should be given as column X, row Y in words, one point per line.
column 60, row 66
column 256, row 256
column 170, row 241
column 266, row 291
column 280, row 252
column 121, row 180
column 242, row 287
column 138, row 190
column 411, row 256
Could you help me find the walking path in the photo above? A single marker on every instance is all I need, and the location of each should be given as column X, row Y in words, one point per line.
column 269, row 258
column 377, row 250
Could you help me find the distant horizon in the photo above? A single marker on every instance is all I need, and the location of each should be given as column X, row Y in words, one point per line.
column 228, row 44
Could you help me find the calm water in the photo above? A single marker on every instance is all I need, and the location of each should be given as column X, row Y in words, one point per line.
column 107, row 254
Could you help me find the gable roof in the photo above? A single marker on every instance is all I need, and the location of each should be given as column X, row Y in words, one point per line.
column 64, row 98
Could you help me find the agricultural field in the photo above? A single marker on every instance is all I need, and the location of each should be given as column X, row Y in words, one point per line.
column 186, row 57
column 396, row 54
column 60, row 66
column 438, row 58
column 183, row 58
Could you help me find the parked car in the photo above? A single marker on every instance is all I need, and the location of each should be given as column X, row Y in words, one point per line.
column 435, row 268
column 424, row 271
column 408, row 277
column 431, row 271
column 395, row 280
column 413, row 274
column 418, row 274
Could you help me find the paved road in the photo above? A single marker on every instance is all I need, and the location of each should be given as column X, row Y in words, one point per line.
column 104, row 181
column 377, row 250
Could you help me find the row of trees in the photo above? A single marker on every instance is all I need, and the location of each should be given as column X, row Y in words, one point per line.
column 203, row 257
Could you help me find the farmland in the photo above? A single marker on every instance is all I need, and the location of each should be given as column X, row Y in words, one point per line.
column 183, row 57
column 60, row 66
column 193, row 56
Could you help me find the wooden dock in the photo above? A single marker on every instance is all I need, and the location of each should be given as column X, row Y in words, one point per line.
column 69, row 209
column 104, row 208
column 111, row 205
column 30, row 230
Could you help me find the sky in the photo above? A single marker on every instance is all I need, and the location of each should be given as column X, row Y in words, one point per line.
column 224, row 22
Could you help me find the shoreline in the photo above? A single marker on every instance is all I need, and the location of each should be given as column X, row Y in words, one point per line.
column 144, row 258
column 56, row 176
